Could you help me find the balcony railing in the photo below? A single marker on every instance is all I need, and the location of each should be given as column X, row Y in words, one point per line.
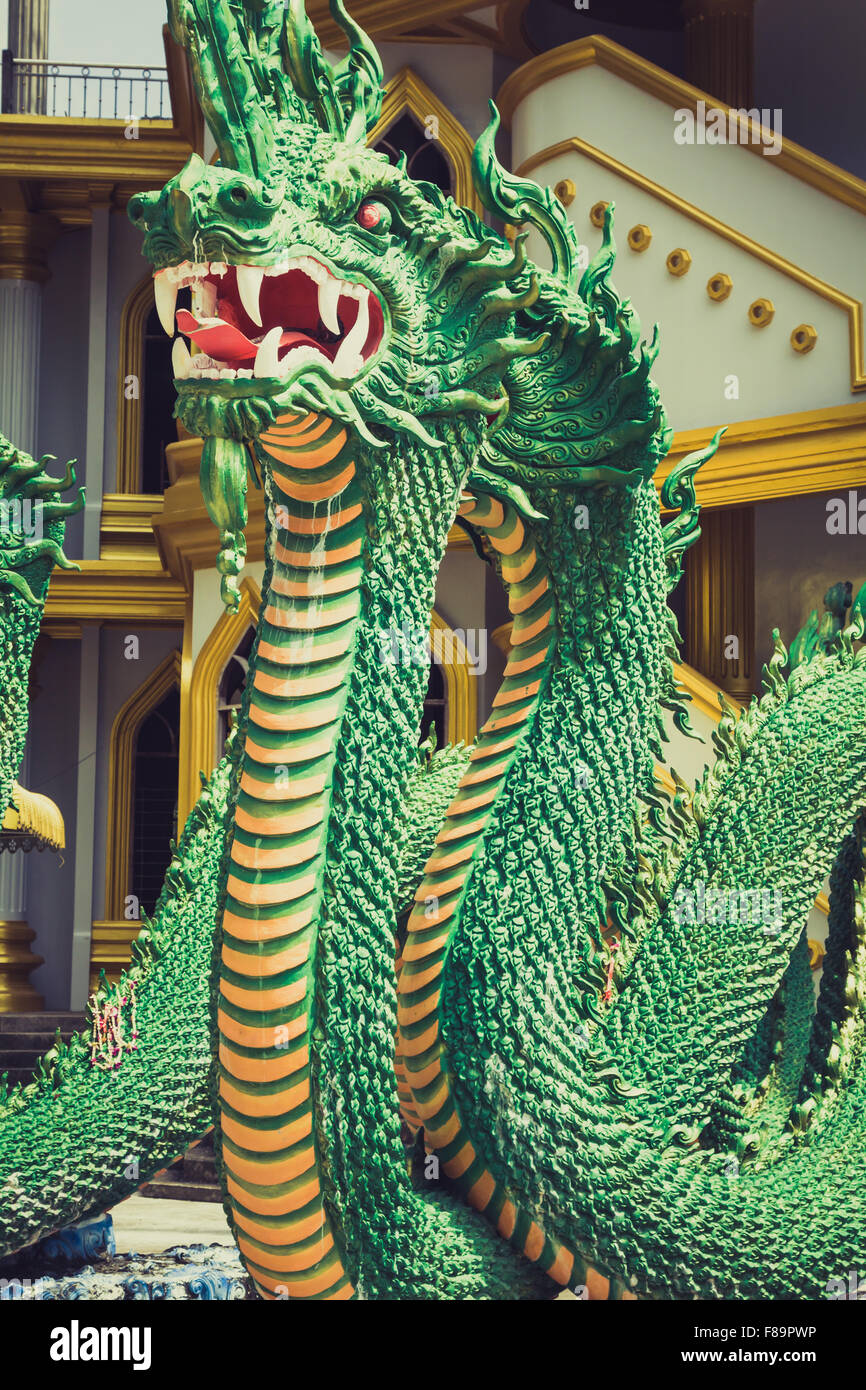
column 90, row 91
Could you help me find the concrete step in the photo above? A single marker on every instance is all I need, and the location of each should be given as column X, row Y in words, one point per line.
column 181, row 1190
column 200, row 1172
column 192, row 1178
column 25, row 1038
column 27, row 1042
column 49, row 1021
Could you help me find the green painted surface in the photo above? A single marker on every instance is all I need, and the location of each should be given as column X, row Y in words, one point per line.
column 679, row 1117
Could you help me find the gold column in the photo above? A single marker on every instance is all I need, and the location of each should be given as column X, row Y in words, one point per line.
column 28, row 38
column 720, row 599
column 17, row 995
column 720, row 48
column 25, row 240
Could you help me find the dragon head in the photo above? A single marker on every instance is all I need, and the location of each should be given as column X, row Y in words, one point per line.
column 323, row 278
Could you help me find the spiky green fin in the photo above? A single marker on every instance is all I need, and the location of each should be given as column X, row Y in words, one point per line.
column 572, row 417
column 78, row 1139
column 32, row 525
column 435, row 917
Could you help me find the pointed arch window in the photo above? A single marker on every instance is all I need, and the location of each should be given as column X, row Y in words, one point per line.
column 435, row 707
column 231, row 688
column 437, row 147
column 425, row 158
column 154, row 810
column 145, row 395
column 142, row 800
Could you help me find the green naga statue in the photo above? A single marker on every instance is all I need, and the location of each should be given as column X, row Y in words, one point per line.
column 599, row 1042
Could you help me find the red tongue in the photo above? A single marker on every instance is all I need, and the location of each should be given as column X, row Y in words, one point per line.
column 225, row 343
column 219, row 340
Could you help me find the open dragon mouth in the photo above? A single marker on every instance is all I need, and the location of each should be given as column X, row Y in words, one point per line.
column 265, row 321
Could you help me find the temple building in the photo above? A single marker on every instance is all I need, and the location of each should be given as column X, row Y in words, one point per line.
column 739, row 187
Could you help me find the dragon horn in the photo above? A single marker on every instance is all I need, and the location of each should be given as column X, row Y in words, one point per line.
column 347, row 99
column 518, row 200
column 362, row 68
column 233, row 69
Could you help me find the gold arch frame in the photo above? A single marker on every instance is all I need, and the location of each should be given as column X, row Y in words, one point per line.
column 133, row 318
column 461, row 683
column 198, row 711
column 408, row 92
column 121, row 752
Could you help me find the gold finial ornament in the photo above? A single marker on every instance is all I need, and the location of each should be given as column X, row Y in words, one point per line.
column 817, row 951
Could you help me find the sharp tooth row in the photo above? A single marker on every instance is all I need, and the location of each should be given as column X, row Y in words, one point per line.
column 165, row 295
column 329, row 299
column 349, row 359
column 267, row 363
column 167, row 282
column 249, row 278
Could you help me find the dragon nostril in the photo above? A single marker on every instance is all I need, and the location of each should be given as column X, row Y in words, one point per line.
column 238, row 193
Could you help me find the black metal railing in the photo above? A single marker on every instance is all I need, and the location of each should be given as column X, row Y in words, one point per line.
column 90, row 91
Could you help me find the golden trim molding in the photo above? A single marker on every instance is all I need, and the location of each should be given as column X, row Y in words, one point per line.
column 70, row 164
column 126, row 526
column 25, row 240
column 704, row 693
column 780, row 456
column 17, row 994
column 406, row 91
column 378, row 17
column 838, row 298
column 130, row 362
column 110, row 944
column 198, row 706
column 121, row 778
column 571, row 57
column 461, row 683
column 114, row 591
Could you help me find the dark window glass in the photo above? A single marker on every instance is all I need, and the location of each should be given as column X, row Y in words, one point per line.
column 158, row 425
column 425, row 159
column 154, row 822
column 435, row 706
column 231, row 688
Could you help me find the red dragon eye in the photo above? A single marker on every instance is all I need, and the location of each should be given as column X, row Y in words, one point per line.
column 370, row 215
